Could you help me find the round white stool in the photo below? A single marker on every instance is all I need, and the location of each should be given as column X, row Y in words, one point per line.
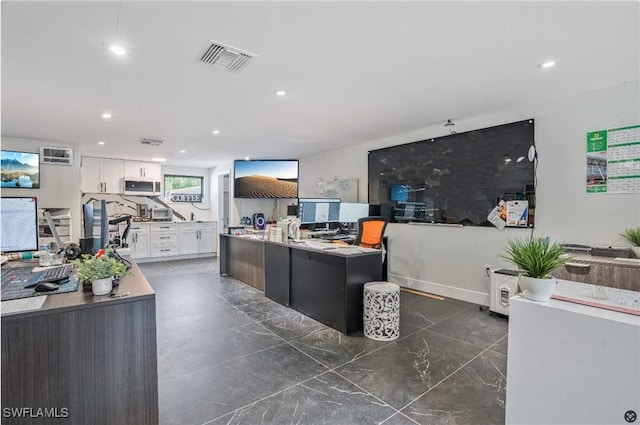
column 381, row 311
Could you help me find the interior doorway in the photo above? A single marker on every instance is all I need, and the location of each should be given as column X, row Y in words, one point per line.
column 225, row 198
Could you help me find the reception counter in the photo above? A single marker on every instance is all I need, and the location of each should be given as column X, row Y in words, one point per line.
column 569, row 363
column 322, row 281
column 82, row 359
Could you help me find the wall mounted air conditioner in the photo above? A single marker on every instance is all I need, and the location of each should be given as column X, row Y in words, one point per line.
column 55, row 155
column 504, row 285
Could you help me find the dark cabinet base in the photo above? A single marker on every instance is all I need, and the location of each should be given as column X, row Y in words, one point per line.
column 325, row 286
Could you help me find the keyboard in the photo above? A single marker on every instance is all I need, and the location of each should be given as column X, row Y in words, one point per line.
column 53, row 274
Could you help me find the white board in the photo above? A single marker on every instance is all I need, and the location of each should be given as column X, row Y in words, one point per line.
column 345, row 189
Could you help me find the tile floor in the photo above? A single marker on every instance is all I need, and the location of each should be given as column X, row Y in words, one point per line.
column 228, row 355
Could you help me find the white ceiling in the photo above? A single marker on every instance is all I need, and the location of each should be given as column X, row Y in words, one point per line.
column 353, row 71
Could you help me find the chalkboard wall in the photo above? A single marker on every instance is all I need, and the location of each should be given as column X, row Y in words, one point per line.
column 455, row 179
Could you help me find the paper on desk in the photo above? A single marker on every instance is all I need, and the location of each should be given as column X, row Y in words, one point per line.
column 22, row 304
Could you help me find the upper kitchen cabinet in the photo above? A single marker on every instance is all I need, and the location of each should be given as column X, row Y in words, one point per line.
column 142, row 170
column 101, row 175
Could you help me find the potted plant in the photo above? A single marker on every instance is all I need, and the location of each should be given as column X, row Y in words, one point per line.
column 536, row 258
column 100, row 270
column 632, row 235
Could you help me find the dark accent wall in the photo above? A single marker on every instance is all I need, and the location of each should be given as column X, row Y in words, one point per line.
column 457, row 178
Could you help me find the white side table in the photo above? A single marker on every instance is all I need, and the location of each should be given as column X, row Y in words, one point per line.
column 381, row 311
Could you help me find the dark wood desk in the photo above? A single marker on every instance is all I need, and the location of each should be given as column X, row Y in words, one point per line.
column 94, row 356
column 324, row 285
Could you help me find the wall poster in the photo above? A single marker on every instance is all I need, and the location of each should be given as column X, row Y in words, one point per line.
column 613, row 160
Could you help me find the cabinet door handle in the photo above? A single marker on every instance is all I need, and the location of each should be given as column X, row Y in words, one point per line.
column 105, row 186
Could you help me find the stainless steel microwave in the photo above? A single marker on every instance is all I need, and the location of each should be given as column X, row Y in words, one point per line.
column 141, row 187
column 161, row 214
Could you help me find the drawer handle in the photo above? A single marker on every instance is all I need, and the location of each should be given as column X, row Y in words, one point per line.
column 164, row 250
column 579, row 265
column 165, row 237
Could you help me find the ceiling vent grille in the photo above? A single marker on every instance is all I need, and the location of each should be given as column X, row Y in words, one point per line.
column 226, row 57
column 151, row 142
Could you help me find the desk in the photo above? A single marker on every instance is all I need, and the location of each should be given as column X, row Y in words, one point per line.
column 325, row 285
column 571, row 364
column 94, row 356
column 604, row 271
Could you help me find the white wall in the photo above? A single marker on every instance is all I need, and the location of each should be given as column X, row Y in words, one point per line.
column 59, row 184
column 450, row 261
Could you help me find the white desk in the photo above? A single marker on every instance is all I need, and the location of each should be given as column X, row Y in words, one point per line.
column 571, row 364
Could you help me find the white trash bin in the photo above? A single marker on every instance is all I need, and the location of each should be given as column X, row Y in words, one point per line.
column 381, row 311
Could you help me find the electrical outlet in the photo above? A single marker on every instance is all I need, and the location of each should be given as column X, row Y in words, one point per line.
column 487, row 269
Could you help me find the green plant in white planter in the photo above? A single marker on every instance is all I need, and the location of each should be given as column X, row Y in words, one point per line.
column 100, row 271
column 536, row 258
column 632, row 235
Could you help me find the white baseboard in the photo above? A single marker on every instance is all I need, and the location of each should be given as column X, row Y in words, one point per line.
column 474, row 297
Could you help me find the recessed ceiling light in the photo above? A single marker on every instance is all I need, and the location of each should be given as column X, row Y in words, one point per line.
column 159, row 159
column 246, row 158
column 183, row 151
column 280, row 92
column 548, row 64
column 101, row 142
column 106, row 116
column 117, row 50
column 216, row 132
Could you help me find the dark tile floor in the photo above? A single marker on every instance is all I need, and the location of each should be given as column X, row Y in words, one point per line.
column 228, row 355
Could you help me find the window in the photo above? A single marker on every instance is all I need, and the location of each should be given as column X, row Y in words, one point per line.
column 183, row 188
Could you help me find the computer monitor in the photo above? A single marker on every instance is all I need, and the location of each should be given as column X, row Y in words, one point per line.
column 350, row 212
column 319, row 210
column 96, row 223
column 19, row 224
column 399, row 192
column 410, row 211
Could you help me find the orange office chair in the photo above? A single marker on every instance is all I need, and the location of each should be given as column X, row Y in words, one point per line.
column 370, row 232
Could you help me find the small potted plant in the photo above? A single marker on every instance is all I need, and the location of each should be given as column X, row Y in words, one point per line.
column 632, row 235
column 100, row 270
column 536, row 258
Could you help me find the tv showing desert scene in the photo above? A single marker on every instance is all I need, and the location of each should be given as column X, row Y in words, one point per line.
column 266, row 179
column 20, row 170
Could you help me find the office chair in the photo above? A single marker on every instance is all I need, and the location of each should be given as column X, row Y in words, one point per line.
column 370, row 232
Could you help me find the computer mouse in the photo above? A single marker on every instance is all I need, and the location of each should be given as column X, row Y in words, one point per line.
column 46, row 287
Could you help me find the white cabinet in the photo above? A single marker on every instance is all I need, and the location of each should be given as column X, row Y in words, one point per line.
column 143, row 170
column 164, row 239
column 208, row 241
column 189, row 233
column 101, row 175
column 198, row 238
column 139, row 240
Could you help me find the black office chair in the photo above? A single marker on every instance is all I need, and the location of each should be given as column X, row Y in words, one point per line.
column 370, row 232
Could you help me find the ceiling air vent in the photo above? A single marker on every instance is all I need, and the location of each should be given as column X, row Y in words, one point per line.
column 151, row 142
column 226, row 57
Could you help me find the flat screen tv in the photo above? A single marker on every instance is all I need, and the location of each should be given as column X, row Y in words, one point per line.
column 20, row 169
column 266, row 178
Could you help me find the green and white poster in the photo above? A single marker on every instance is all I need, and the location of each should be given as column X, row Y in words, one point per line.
column 613, row 160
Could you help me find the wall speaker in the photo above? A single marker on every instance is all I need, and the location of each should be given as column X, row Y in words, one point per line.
column 258, row 221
